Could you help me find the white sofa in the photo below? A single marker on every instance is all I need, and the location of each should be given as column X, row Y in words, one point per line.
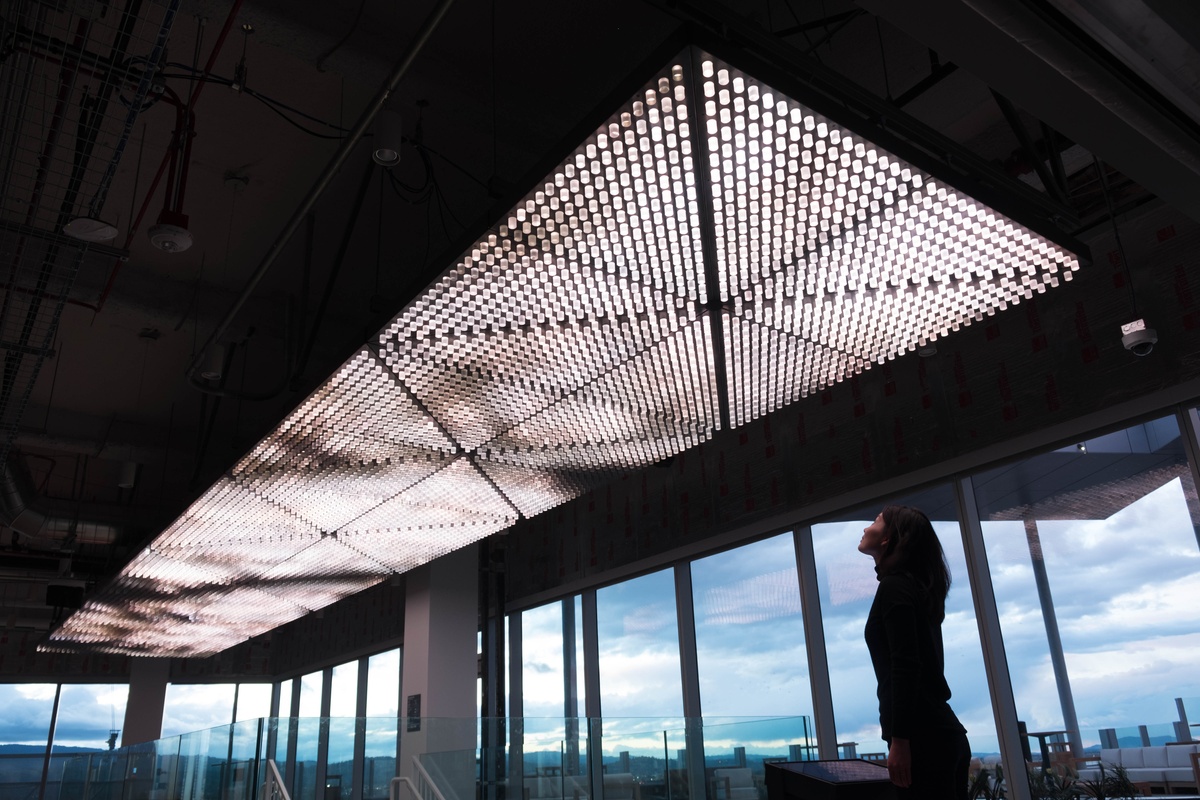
column 1168, row 766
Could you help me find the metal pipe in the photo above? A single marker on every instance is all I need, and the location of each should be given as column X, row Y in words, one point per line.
column 335, row 270
column 326, row 176
column 14, row 358
column 7, row 113
column 49, row 46
column 60, row 238
column 289, row 358
column 925, row 84
column 89, row 125
column 66, row 82
column 190, row 115
column 182, row 116
column 137, row 220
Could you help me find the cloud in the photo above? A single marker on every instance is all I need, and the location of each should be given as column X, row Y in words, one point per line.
column 198, row 707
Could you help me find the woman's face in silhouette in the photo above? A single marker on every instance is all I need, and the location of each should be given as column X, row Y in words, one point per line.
column 874, row 538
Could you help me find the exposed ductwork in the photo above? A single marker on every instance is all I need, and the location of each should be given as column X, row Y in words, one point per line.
column 41, row 527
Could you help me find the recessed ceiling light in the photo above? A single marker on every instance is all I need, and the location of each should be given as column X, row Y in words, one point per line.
column 87, row 229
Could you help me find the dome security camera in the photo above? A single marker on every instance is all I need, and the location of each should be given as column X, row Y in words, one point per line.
column 1137, row 338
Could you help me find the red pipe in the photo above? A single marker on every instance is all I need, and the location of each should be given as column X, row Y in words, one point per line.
column 175, row 100
column 189, row 133
column 212, row 58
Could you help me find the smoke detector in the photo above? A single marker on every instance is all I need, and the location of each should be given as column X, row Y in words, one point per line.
column 171, row 234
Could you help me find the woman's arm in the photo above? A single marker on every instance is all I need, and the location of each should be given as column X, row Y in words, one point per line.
column 899, row 762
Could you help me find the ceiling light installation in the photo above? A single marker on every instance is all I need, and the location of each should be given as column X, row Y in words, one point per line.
column 713, row 251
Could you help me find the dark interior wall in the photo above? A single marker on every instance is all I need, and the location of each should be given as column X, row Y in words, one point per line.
column 20, row 661
column 1040, row 364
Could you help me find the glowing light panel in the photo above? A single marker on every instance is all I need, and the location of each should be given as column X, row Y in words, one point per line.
column 714, row 251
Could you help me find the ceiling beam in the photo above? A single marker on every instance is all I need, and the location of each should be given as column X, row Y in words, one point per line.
column 1048, row 74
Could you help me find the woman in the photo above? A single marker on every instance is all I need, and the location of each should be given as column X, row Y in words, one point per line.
column 928, row 753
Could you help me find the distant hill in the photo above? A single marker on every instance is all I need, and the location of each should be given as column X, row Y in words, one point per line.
column 38, row 749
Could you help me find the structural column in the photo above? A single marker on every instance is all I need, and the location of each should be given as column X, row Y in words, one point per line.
column 147, row 697
column 995, row 662
column 590, row 628
column 1065, row 698
column 440, row 670
column 814, row 643
column 689, row 665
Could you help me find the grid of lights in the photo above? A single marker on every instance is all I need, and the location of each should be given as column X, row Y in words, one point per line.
column 577, row 341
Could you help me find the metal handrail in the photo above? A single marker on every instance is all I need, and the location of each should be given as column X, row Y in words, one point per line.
column 426, row 790
column 396, row 782
column 274, row 787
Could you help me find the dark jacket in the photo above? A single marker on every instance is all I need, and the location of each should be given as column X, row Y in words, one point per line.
column 904, row 636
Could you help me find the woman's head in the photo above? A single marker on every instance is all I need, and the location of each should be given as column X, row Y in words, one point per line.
column 902, row 539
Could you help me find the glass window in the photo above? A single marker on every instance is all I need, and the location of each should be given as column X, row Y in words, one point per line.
column 254, row 701
column 27, row 710
column 638, row 644
column 343, row 708
column 284, row 730
column 750, row 633
column 545, row 733
column 310, row 694
column 284, row 726
column 574, row 684
column 1101, row 532
column 383, row 684
column 847, row 583
column 638, row 639
column 196, row 707
column 285, row 698
column 542, row 672
column 90, row 715
column 343, row 690
column 382, row 723
column 308, row 731
column 24, row 729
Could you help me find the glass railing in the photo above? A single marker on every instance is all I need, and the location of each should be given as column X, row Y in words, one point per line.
column 1146, row 735
column 21, row 775
column 533, row 759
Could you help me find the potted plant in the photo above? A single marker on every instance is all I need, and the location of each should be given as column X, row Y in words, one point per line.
column 1112, row 784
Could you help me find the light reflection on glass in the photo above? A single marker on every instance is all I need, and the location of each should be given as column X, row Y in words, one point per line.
column 749, row 633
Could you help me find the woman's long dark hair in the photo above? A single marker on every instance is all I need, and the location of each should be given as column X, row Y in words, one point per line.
column 913, row 547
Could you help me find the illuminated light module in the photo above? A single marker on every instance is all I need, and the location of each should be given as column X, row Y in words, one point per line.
column 713, row 252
